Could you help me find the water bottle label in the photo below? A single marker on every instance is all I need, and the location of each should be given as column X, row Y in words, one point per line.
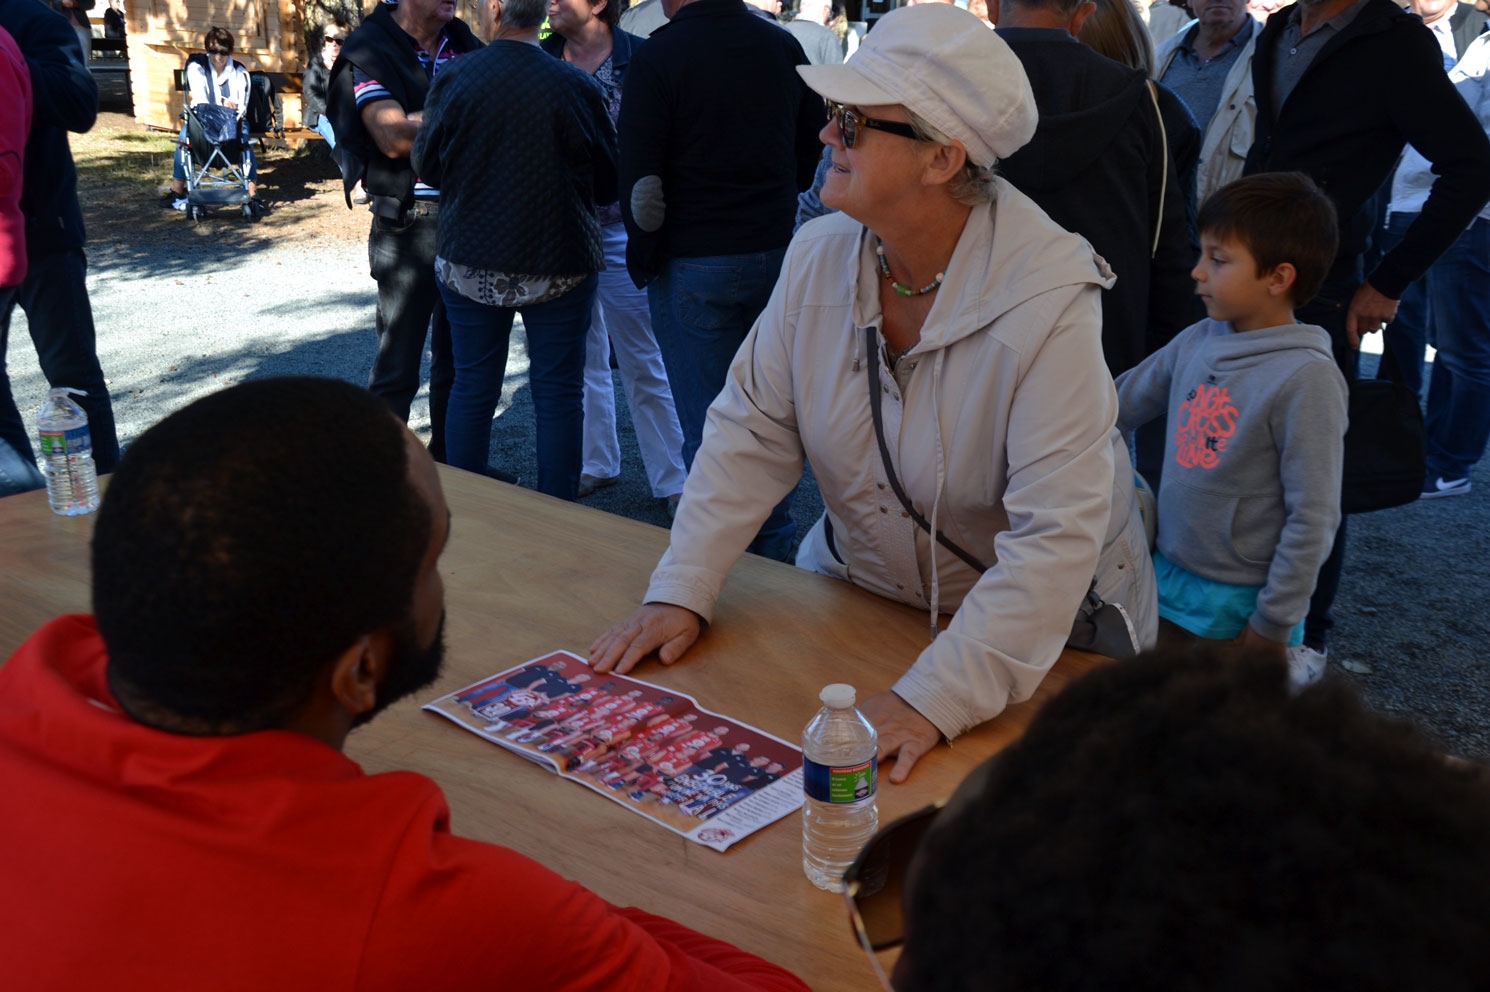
column 70, row 442
column 838, row 784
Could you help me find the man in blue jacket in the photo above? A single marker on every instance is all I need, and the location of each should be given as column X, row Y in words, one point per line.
column 718, row 136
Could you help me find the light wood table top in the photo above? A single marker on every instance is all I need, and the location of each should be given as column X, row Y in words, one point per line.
column 524, row 575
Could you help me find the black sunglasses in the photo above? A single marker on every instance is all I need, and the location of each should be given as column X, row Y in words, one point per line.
column 217, row 50
column 850, row 121
column 874, row 884
column 332, row 39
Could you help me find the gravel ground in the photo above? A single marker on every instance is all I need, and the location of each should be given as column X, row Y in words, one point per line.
column 183, row 310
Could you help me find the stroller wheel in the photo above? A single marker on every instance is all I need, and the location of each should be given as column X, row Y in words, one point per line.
column 197, row 213
column 248, row 211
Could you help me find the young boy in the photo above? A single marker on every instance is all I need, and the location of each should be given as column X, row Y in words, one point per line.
column 1250, row 497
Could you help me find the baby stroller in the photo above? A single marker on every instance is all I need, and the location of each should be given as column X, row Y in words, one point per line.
column 215, row 155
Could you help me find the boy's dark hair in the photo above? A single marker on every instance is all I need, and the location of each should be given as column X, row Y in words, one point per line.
column 1280, row 217
column 218, row 36
column 247, row 540
column 1180, row 821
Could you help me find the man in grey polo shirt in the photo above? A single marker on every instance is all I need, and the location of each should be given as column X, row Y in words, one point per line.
column 1208, row 63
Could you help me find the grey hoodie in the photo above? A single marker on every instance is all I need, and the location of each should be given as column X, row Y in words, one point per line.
column 1252, row 462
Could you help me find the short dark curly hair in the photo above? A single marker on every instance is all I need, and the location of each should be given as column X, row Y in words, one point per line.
column 246, row 541
column 1180, row 821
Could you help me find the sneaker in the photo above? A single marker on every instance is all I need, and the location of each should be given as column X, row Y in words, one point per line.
column 1306, row 666
column 173, row 201
column 1435, row 488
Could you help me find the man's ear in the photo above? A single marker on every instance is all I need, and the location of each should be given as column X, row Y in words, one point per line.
column 1281, row 279
column 358, row 671
column 1079, row 16
column 944, row 164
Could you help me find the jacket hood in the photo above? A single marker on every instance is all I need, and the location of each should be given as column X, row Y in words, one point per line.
column 1237, row 350
column 1030, row 253
column 1068, row 142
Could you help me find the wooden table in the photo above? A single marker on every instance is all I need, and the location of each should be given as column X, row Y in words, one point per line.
column 526, row 574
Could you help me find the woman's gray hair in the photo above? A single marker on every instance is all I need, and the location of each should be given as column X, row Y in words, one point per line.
column 974, row 185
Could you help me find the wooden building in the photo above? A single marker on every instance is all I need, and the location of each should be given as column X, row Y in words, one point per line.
column 268, row 36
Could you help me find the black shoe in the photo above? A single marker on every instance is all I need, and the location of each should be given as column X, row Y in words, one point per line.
column 173, row 201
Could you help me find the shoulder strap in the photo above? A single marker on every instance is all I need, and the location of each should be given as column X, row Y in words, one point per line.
column 872, row 363
column 1164, row 173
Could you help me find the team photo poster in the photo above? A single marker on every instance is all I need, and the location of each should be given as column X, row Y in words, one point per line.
column 712, row 779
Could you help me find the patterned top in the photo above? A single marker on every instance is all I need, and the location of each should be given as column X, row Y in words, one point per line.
column 502, row 289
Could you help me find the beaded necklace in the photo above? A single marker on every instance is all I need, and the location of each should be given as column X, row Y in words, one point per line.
column 901, row 290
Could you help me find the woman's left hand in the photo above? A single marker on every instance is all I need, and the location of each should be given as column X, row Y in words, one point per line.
column 903, row 732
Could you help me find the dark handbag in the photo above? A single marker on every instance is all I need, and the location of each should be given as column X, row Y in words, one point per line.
column 1100, row 627
column 1386, row 445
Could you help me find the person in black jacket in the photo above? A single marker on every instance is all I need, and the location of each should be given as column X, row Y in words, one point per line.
column 1342, row 86
column 1099, row 166
column 520, row 179
column 54, row 294
column 718, row 136
column 375, row 100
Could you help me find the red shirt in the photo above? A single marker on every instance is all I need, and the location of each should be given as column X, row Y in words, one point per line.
column 142, row 860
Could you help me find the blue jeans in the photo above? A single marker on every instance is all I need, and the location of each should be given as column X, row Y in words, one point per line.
column 1405, row 338
column 702, row 308
column 401, row 258
column 556, row 331
column 54, row 296
column 1458, row 289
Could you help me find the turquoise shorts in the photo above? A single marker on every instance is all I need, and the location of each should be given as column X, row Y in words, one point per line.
column 1214, row 610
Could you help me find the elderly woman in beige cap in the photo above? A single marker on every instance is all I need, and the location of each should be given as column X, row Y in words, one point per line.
column 934, row 350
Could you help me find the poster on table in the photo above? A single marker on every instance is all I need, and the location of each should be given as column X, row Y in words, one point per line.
column 655, row 751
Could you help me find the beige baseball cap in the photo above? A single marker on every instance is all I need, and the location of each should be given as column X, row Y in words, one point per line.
column 946, row 66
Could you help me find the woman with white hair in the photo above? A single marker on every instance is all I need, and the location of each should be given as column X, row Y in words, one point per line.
column 934, row 349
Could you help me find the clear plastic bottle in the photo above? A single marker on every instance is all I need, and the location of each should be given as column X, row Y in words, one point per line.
column 67, row 454
column 838, row 775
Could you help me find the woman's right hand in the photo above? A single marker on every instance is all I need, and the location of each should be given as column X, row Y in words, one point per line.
column 669, row 630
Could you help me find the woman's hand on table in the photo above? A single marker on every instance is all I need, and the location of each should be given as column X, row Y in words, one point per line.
column 903, row 732
column 669, row 630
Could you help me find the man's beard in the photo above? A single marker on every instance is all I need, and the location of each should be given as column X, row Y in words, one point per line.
column 410, row 667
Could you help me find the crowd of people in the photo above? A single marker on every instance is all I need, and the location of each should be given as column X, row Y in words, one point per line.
column 975, row 275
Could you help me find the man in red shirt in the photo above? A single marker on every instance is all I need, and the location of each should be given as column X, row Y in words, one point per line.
column 181, row 814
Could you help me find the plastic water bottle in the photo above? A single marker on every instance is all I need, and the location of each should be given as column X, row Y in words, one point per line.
column 67, row 454
column 838, row 775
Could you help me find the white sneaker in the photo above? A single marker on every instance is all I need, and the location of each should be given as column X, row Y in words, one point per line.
column 1440, row 487
column 1306, row 666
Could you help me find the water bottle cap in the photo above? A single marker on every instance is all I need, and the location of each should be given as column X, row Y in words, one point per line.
column 837, row 696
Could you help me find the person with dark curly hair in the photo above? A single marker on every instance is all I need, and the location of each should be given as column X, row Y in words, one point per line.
column 265, row 578
column 1183, row 821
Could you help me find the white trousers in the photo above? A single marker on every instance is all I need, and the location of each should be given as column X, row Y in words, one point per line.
column 621, row 318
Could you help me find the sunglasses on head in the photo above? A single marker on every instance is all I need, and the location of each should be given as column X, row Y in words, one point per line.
column 874, row 884
column 219, row 50
column 851, row 121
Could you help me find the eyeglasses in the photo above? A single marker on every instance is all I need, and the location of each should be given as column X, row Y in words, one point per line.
column 850, row 121
column 874, row 883
column 217, row 50
column 332, row 39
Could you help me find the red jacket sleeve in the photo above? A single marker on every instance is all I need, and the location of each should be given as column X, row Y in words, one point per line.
column 460, row 914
